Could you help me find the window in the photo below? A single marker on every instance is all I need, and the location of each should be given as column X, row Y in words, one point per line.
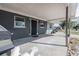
column 42, row 25
column 19, row 22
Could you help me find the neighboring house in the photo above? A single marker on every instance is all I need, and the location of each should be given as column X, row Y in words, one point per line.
column 22, row 26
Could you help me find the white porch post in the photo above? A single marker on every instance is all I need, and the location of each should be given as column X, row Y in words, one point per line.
column 37, row 27
column 30, row 27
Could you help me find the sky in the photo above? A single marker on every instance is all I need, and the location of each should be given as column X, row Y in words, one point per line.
column 77, row 14
column 77, row 11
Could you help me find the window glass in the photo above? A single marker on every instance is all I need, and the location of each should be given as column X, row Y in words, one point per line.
column 19, row 22
column 41, row 25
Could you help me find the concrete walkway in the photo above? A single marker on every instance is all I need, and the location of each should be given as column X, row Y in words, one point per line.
column 48, row 45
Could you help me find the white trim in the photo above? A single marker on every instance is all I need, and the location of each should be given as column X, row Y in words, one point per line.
column 17, row 12
column 15, row 22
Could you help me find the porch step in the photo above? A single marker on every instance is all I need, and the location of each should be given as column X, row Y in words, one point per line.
column 34, row 35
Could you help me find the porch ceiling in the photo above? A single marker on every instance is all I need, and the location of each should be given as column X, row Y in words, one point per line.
column 44, row 11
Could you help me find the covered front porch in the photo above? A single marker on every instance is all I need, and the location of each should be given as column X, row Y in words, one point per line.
column 48, row 45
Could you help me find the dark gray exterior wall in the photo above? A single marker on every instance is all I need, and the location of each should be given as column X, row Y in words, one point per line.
column 7, row 20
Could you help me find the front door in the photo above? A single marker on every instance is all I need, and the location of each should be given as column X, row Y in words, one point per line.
column 34, row 27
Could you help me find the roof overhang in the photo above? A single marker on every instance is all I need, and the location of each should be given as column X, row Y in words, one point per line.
column 43, row 11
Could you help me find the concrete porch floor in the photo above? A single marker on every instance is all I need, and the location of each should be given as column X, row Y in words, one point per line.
column 48, row 45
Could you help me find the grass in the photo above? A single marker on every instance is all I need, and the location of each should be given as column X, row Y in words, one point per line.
column 74, row 32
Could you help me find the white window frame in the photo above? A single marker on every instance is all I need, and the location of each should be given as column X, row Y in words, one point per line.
column 15, row 22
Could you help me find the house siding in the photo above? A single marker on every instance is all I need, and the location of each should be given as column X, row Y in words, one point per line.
column 7, row 20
